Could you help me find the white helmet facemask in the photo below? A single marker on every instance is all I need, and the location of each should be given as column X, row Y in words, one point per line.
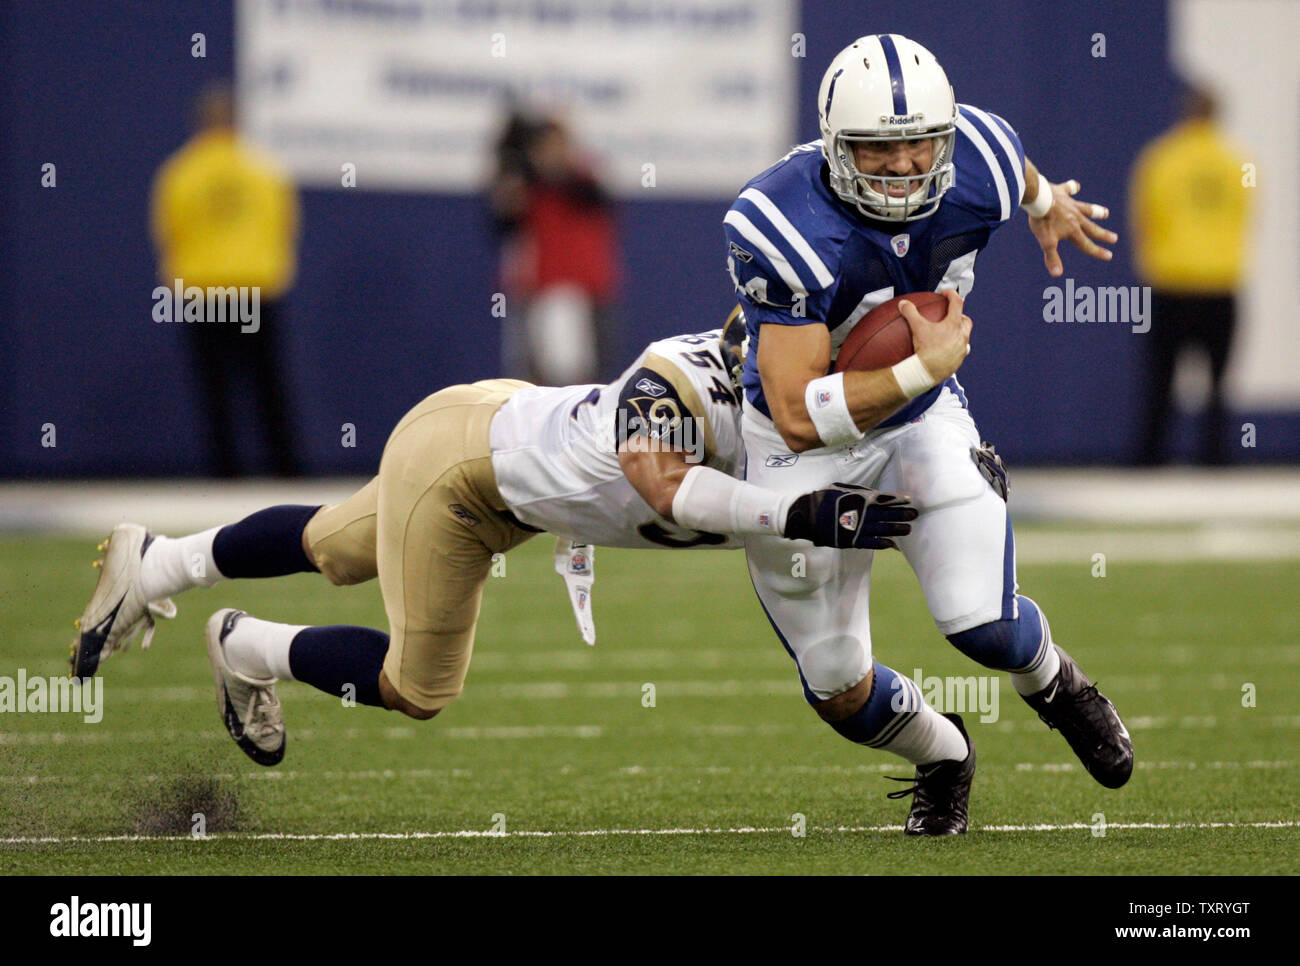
column 882, row 90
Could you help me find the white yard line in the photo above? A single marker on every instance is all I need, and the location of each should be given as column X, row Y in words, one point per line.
column 95, row 735
column 390, row 774
column 596, row 833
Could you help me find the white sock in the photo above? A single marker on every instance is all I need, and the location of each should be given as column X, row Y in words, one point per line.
column 929, row 736
column 260, row 649
column 1042, row 670
column 172, row 565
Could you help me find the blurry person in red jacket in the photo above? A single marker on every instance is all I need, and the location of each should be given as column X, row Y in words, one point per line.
column 560, row 259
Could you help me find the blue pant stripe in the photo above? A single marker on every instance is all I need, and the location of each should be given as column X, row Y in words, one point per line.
column 1009, row 574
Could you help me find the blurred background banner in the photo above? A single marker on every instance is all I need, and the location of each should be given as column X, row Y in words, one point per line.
column 1257, row 53
column 398, row 283
column 412, row 93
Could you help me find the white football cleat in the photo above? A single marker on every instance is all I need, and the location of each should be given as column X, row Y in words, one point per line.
column 248, row 706
column 117, row 611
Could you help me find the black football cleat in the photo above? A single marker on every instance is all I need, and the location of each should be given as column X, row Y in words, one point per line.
column 1087, row 719
column 941, row 793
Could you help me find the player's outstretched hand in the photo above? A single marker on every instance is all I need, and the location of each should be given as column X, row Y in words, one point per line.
column 846, row 516
column 1068, row 218
column 941, row 346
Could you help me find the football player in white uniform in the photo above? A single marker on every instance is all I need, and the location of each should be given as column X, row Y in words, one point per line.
column 900, row 194
column 651, row 460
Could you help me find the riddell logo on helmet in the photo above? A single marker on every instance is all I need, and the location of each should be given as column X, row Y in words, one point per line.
column 901, row 120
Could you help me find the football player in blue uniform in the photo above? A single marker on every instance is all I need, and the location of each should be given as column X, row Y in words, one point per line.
column 900, row 195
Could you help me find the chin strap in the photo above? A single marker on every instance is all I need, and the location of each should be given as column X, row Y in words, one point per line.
column 575, row 562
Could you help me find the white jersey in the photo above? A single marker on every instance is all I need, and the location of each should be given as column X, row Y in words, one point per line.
column 555, row 450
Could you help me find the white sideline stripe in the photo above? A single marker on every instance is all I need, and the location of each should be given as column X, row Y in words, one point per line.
column 389, row 774
column 522, row 732
column 1114, row 497
column 791, row 234
column 596, row 832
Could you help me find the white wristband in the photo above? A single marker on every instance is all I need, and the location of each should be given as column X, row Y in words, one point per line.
column 714, row 502
column 913, row 377
column 828, row 408
column 1043, row 199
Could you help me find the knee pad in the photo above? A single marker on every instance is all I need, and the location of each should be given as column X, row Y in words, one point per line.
column 1005, row 645
column 834, row 664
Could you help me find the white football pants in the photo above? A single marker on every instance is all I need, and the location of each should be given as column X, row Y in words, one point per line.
column 960, row 547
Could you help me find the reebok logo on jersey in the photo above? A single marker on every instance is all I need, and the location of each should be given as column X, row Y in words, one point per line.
column 740, row 253
column 900, row 244
column 782, row 459
column 651, row 387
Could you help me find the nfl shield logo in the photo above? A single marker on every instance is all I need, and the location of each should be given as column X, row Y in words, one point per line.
column 823, row 398
column 578, row 564
column 849, row 521
column 900, row 244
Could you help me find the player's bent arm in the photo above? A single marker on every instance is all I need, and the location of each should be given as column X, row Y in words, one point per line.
column 702, row 498
column 792, row 356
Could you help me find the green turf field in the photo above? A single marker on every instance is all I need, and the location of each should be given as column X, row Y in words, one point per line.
column 553, row 737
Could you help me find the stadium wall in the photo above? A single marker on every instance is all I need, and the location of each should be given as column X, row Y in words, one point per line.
column 392, row 300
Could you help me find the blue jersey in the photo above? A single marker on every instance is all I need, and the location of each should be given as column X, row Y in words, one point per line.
column 800, row 256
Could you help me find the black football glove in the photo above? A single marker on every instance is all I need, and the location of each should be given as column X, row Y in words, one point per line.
column 991, row 468
column 848, row 516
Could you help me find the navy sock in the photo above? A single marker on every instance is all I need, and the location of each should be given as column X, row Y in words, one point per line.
column 332, row 658
column 893, row 702
column 1005, row 645
column 266, row 544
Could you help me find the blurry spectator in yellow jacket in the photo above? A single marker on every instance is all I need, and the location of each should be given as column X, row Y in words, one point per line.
column 225, row 217
column 1190, row 211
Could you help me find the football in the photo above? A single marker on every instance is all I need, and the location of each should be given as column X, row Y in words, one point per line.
column 882, row 337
